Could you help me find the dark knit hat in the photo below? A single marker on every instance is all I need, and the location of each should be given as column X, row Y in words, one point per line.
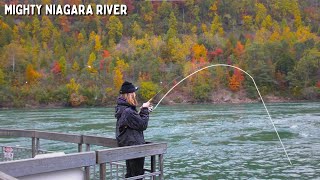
column 128, row 87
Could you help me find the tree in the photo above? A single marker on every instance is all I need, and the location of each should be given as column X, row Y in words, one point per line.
column 91, row 62
column 97, row 44
column 115, row 29
column 239, row 50
column 267, row 23
column 5, row 34
column 199, row 52
column 236, row 79
column 304, row 34
column 35, row 26
column 56, row 68
column 81, row 38
column 137, row 30
column 303, row 74
column 121, row 66
column 63, row 65
column 73, row 87
column 46, row 29
column 31, row 75
column 216, row 26
column 247, row 21
column 172, row 32
column 14, row 56
column 75, row 67
column 148, row 90
column 261, row 13
column 64, row 23
column 2, row 77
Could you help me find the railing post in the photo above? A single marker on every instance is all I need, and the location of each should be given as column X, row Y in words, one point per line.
column 87, row 147
column 33, row 147
column 87, row 172
column 161, row 166
column 79, row 147
column 111, row 170
column 153, row 165
column 37, row 145
column 87, row 169
column 102, row 171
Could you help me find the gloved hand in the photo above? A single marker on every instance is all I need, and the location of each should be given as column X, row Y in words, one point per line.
column 146, row 104
column 150, row 108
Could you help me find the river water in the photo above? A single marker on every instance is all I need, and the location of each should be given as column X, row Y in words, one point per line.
column 204, row 141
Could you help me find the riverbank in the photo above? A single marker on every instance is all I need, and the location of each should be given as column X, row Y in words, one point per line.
column 225, row 97
column 174, row 98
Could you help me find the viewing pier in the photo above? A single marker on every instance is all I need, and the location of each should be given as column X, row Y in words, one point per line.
column 109, row 159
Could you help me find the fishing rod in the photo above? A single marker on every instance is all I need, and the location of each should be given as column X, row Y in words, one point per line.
column 235, row 67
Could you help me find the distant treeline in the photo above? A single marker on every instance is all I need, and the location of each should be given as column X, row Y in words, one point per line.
column 83, row 60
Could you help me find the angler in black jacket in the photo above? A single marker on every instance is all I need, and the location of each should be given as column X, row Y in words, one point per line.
column 130, row 125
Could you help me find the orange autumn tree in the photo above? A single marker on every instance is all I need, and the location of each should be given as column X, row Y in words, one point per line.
column 239, row 50
column 31, row 75
column 235, row 81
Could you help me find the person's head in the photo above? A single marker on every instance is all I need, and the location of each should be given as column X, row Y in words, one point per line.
column 127, row 91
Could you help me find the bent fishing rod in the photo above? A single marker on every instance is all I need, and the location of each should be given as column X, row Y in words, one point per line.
column 235, row 67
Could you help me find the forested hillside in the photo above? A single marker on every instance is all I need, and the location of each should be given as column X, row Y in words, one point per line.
column 83, row 60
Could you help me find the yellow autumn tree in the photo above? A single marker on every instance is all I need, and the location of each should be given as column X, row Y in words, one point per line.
column 261, row 13
column 97, row 44
column 303, row 33
column 80, row 38
column 90, row 63
column 46, row 29
column 2, row 79
column 296, row 13
column 148, row 89
column 115, row 29
column 247, row 21
column 121, row 66
column 267, row 23
column 216, row 26
column 73, row 87
column 214, row 7
column 75, row 66
column 288, row 35
column 199, row 51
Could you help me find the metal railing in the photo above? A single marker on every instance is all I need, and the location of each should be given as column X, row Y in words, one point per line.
column 87, row 159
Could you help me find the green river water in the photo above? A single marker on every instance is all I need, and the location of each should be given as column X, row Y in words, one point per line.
column 204, row 141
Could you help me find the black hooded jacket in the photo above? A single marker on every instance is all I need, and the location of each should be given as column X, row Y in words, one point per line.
column 130, row 123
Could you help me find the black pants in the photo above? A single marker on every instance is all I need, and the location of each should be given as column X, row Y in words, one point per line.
column 135, row 167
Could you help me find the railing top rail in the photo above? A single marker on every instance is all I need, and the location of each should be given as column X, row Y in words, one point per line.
column 72, row 138
column 100, row 141
column 130, row 152
column 16, row 133
column 27, row 167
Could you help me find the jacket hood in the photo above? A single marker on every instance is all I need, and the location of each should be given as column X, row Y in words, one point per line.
column 122, row 104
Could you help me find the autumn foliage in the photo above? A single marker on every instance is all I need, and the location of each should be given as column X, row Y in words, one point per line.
column 84, row 60
column 32, row 75
column 236, row 80
column 56, row 68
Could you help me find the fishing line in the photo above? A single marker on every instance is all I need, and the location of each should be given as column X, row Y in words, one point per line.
column 226, row 65
column 163, row 88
